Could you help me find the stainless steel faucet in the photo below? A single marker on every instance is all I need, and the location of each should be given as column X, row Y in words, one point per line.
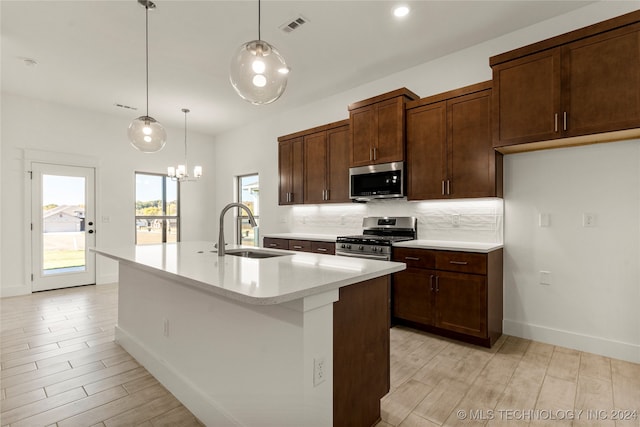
column 252, row 221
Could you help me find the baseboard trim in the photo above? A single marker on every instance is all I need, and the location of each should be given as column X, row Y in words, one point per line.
column 597, row 345
column 201, row 405
column 14, row 291
column 107, row 278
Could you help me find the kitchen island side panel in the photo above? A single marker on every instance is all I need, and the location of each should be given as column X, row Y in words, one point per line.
column 229, row 362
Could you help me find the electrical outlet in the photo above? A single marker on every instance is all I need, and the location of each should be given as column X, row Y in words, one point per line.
column 165, row 328
column 319, row 372
column 544, row 220
column 588, row 220
column 455, row 220
column 545, row 277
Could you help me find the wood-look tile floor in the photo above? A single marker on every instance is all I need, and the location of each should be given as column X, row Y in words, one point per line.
column 60, row 367
column 440, row 382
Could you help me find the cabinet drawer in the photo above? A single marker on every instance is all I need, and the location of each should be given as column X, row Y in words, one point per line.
column 300, row 245
column 464, row 262
column 270, row 242
column 327, row 248
column 419, row 258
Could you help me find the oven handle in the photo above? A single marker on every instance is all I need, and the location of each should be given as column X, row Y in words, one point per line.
column 378, row 257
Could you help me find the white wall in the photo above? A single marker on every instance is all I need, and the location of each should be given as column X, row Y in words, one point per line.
column 592, row 301
column 612, row 329
column 36, row 125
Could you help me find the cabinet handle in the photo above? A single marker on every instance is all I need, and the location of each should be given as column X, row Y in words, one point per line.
column 564, row 123
column 437, row 284
column 375, row 153
column 448, row 187
column 431, row 282
column 555, row 122
column 273, row 245
column 458, row 262
column 322, row 249
column 327, row 193
column 297, row 247
column 412, row 258
column 370, row 154
column 443, row 193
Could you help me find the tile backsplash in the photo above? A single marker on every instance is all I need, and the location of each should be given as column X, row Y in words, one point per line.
column 472, row 220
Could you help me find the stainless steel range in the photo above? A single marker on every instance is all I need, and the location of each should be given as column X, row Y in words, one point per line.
column 379, row 234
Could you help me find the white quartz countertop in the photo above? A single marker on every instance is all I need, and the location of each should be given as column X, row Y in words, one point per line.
column 253, row 281
column 446, row 245
column 304, row 236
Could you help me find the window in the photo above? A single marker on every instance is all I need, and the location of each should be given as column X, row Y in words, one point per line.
column 248, row 194
column 157, row 209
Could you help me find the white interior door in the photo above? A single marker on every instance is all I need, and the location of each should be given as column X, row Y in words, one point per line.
column 62, row 226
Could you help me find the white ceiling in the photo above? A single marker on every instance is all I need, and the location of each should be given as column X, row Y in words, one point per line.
column 90, row 54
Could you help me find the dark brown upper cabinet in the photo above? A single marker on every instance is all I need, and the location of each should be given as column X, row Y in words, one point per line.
column 314, row 165
column 290, row 171
column 378, row 128
column 577, row 88
column 449, row 146
column 326, row 164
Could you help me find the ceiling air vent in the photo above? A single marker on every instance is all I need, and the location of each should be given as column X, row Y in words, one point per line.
column 127, row 107
column 293, row 24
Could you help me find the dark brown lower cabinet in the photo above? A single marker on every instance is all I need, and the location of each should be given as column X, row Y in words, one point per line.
column 327, row 248
column 361, row 374
column 456, row 294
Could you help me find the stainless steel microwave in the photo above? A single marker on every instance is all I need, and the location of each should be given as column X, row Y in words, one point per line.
column 381, row 181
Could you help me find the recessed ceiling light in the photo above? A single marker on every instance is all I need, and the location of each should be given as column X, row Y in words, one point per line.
column 400, row 11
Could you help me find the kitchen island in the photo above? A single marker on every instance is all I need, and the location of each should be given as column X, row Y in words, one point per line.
column 294, row 340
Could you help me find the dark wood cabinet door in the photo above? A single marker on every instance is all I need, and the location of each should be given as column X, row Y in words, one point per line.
column 461, row 303
column 526, row 100
column 276, row 243
column 601, row 83
column 297, row 171
column 290, row 171
column 285, row 171
column 315, row 167
column 363, row 135
column 426, row 154
column 338, row 147
column 412, row 295
column 326, row 248
column 471, row 159
column 389, row 145
column 300, row 245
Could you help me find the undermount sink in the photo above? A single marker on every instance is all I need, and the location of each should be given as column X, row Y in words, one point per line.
column 253, row 253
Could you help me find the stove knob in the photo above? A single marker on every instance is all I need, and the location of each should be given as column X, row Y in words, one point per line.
column 374, row 249
column 361, row 247
column 342, row 246
column 348, row 246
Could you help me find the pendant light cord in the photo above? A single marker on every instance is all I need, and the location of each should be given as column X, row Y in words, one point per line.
column 146, row 7
column 259, row 37
column 186, row 165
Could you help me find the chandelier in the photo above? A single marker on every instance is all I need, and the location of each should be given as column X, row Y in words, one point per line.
column 181, row 173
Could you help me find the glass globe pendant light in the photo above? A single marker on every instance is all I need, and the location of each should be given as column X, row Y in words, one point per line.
column 258, row 72
column 146, row 133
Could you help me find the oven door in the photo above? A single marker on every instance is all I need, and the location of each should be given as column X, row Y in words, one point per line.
column 382, row 257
